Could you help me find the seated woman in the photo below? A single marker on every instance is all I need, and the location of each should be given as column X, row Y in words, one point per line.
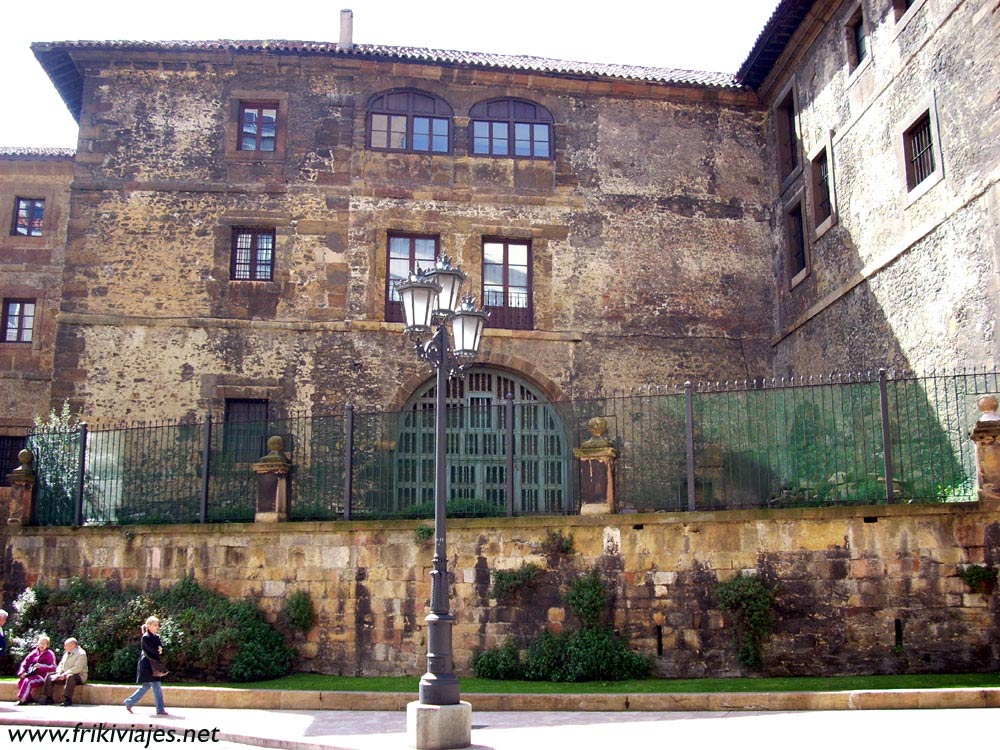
column 40, row 662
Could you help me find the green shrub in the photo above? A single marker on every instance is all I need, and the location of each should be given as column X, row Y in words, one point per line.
column 503, row 663
column 557, row 544
column 586, row 599
column 978, row 577
column 205, row 636
column 425, row 533
column 506, row 583
column 749, row 601
column 545, row 658
column 298, row 612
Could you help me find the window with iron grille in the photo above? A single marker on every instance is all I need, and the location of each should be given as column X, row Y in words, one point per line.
column 795, row 234
column 10, row 446
column 408, row 120
column 857, row 39
column 407, row 253
column 822, row 208
column 787, row 132
column 245, row 429
column 918, row 150
column 29, row 217
column 511, row 127
column 258, row 129
column 507, row 283
column 252, row 256
column 18, row 320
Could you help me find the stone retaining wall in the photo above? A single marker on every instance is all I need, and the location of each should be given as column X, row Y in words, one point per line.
column 866, row 589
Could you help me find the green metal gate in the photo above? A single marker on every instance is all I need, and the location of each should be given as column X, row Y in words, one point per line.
column 478, row 414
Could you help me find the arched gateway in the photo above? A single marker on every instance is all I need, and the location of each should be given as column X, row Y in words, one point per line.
column 477, row 434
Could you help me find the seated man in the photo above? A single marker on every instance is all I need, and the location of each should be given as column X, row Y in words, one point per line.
column 72, row 670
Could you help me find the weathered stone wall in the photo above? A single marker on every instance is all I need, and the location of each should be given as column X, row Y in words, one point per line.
column 31, row 268
column 901, row 279
column 845, row 576
column 649, row 233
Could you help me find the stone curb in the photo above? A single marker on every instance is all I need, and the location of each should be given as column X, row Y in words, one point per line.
column 315, row 700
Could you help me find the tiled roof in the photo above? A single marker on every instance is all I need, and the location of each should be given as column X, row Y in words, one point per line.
column 15, row 152
column 55, row 58
column 772, row 41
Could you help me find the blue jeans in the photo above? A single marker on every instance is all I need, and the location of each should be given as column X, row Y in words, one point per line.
column 142, row 690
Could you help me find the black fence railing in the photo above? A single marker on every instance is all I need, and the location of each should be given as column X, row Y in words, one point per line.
column 844, row 439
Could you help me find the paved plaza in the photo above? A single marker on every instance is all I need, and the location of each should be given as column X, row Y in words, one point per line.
column 524, row 730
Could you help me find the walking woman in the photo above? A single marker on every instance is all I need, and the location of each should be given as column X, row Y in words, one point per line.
column 31, row 674
column 152, row 652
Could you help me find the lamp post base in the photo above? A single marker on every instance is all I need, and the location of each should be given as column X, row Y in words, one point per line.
column 439, row 727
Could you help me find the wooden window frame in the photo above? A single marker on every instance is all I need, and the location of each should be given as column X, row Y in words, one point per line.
column 379, row 106
column 394, row 309
column 258, row 107
column 254, row 262
column 857, row 38
column 819, row 188
column 21, row 328
column 794, row 212
column 33, row 204
column 239, row 101
column 505, row 315
column 480, row 114
column 788, row 143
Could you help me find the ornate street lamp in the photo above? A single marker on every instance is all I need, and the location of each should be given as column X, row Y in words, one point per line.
column 431, row 303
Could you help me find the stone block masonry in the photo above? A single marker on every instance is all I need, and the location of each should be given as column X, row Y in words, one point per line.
column 860, row 589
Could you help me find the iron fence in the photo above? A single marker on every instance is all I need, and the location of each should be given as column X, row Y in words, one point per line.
column 842, row 439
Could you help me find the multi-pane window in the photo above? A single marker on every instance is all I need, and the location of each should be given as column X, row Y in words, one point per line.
column 796, row 238
column 788, row 139
column 507, row 283
column 409, row 121
column 857, row 39
column 258, row 126
column 918, row 151
column 511, row 127
column 18, row 320
column 822, row 208
column 246, row 428
column 252, row 257
column 407, row 252
column 29, row 217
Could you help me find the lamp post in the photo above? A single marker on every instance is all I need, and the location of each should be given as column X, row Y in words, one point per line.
column 431, row 306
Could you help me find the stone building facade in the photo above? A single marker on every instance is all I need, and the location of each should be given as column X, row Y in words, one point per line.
column 641, row 214
column 652, row 226
column 886, row 139
column 35, row 186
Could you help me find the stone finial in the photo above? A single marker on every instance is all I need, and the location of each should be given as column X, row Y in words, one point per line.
column 988, row 406
column 275, row 451
column 598, row 429
column 26, row 459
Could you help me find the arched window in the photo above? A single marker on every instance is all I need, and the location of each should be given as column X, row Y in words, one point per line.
column 476, row 445
column 406, row 120
column 511, row 127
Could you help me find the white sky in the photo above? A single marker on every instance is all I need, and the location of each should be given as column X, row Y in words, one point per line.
column 711, row 35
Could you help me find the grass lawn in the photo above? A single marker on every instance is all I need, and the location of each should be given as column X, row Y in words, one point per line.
column 712, row 685
column 708, row 685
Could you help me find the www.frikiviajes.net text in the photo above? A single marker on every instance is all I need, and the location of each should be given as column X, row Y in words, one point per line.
column 131, row 735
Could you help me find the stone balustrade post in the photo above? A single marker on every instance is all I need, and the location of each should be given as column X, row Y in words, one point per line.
column 986, row 436
column 22, row 483
column 597, row 470
column 273, row 472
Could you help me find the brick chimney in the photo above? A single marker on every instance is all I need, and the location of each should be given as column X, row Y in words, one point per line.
column 346, row 30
